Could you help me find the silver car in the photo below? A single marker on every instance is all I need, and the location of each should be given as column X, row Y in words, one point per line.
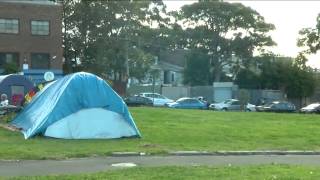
column 157, row 99
column 231, row 105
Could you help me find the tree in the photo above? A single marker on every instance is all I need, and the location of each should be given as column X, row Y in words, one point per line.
column 68, row 54
column 139, row 63
column 247, row 79
column 196, row 71
column 244, row 98
column 223, row 30
column 105, row 33
column 274, row 71
column 290, row 75
column 310, row 39
column 10, row 68
column 300, row 83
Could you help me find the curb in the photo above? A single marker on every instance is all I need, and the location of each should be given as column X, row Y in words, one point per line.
column 217, row 153
column 242, row 153
column 125, row 154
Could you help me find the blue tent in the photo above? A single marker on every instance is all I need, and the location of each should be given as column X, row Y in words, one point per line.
column 78, row 106
column 15, row 86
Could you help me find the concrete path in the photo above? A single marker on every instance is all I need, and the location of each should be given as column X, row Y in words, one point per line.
column 87, row 165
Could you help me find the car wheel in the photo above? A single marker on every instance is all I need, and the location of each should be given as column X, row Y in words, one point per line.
column 248, row 110
column 224, row 109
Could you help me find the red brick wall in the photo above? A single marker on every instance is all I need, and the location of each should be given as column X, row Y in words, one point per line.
column 25, row 43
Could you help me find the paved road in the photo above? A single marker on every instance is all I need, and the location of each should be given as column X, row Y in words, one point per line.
column 86, row 165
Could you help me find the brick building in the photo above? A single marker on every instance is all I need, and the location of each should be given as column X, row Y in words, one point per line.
column 31, row 35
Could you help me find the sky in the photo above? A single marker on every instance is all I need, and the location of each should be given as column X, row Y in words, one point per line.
column 288, row 17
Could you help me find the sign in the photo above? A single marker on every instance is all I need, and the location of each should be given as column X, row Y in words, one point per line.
column 48, row 76
column 25, row 66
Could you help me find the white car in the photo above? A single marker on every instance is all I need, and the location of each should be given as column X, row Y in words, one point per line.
column 157, row 99
column 231, row 105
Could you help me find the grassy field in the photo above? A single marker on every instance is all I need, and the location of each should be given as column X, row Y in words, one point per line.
column 166, row 130
column 268, row 172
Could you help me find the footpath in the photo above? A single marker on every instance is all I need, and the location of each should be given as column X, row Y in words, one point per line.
column 122, row 160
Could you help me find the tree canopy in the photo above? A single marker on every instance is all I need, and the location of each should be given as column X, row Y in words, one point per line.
column 110, row 36
column 282, row 73
column 223, row 30
column 196, row 72
column 310, row 38
column 121, row 39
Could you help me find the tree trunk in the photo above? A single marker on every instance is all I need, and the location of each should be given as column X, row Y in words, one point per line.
column 217, row 74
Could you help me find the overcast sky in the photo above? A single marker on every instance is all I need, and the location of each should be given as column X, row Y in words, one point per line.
column 288, row 16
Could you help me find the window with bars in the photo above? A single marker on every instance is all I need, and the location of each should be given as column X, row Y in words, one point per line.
column 9, row 26
column 40, row 28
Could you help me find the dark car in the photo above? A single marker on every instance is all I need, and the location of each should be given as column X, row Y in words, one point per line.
column 137, row 100
column 277, row 106
column 311, row 108
column 187, row 103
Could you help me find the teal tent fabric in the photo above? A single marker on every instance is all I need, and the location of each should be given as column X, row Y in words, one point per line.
column 75, row 100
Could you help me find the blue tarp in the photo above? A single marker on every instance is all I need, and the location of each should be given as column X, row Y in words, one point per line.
column 73, row 103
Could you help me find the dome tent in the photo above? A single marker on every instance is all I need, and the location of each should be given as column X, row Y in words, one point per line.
column 78, row 106
column 15, row 86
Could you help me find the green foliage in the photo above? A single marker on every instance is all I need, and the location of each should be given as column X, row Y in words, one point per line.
column 196, row 72
column 284, row 73
column 11, row 68
column 310, row 38
column 110, row 36
column 300, row 83
column 106, row 34
column 223, row 30
column 301, row 61
column 247, row 79
column 180, row 130
column 139, row 63
column 275, row 71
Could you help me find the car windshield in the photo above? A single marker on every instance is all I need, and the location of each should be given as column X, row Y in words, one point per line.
column 227, row 101
column 269, row 104
column 181, row 100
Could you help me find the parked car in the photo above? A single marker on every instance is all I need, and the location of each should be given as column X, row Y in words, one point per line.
column 311, row 108
column 231, row 105
column 277, row 106
column 157, row 99
column 187, row 103
column 203, row 100
column 137, row 100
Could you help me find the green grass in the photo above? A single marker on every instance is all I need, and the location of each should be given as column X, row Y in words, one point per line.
column 166, row 130
column 268, row 172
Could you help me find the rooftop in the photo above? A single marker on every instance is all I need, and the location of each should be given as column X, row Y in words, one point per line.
column 176, row 57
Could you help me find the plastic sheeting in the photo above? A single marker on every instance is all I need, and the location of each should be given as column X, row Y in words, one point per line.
column 67, row 96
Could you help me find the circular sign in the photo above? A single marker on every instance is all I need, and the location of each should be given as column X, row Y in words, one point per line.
column 48, row 76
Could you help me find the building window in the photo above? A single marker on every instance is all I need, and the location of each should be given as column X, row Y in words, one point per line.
column 10, row 26
column 40, row 27
column 9, row 59
column 40, row 60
